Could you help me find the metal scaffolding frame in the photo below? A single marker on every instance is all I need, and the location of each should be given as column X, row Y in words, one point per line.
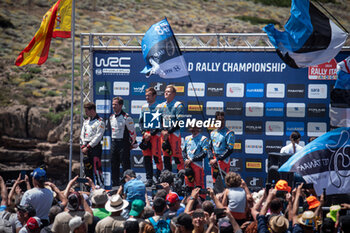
column 187, row 42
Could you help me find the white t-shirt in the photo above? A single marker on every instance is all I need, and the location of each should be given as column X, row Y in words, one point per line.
column 288, row 149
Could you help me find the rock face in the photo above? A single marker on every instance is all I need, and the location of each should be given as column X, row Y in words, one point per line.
column 29, row 139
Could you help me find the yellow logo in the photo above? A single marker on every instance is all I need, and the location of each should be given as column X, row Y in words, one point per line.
column 253, row 165
column 237, row 146
column 195, row 108
column 180, row 89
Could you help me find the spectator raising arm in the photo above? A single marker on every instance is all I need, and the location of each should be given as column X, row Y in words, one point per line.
column 60, row 195
column 256, row 208
column 215, row 199
column 191, row 200
column 69, row 186
column 294, row 212
column 3, row 193
column 13, row 189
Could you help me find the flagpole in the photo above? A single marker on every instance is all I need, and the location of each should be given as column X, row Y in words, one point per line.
column 72, row 92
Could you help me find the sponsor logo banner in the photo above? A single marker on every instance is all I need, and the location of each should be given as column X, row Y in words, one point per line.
column 295, row 110
column 253, row 146
column 317, row 91
column 274, row 128
column 275, row 90
column 274, row 109
column 137, row 161
column 136, row 106
column 159, row 87
column 138, row 88
column 103, row 88
column 253, row 165
column 292, row 126
column 253, row 127
column 213, row 107
column 121, row 88
column 254, row 182
column 103, row 106
column 316, row 110
column 235, row 90
column 234, row 108
column 112, row 66
column 194, row 108
column 106, row 143
column 255, row 90
column 254, row 109
column 194, row 89
column 235, row 126
column 273, row 146
column 237, row 147
column 180, row 88
column 325, row 71
column 295, row 90
column 236, row 165
column 316, row 129
column 215, row 89
column 151, row 120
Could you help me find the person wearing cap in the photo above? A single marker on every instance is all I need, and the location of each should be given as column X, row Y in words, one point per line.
column 123, row 136
column 90, row 143
column 174, row 205
column 172, row 112
column 77, row 225
column 136, row 211
column 115, row 205
column 133, row 188
column 183, row 223
column 99, row 198
column 150, row 144
column 33, row 225
column 223, row 141
column 196, row 148
column 24, row 212
column 75, row 201
column 313, row 202
column 39, row 197
column 282, row 185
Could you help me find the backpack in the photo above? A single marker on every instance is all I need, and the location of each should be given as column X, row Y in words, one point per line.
column 162, row 226
column 5, row 223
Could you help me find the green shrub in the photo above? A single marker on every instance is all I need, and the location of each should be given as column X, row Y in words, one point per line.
column 256, row 20
column 27, row 76
column 34, row 70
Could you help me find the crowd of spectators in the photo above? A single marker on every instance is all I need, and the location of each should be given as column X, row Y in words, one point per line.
column 84, row 207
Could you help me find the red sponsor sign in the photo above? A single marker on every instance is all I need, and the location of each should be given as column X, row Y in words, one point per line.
column 325, row 71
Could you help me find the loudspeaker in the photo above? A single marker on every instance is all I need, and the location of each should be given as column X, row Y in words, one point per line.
column 275, row 161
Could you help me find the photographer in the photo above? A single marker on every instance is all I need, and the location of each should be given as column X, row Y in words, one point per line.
column 196, row 148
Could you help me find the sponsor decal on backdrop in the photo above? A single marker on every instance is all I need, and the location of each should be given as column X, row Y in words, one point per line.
column 106, row 143
column 180, row 88
column 159, row 87
column 237, row 147
column 275, row 90
column 194, row 89
column 273, row 146
column 316, row 129
column 292, row 126
column 194, row 108
column 255, row 90
column 254, row 109
column 138, row 88
column 295, row 110
column 274, row 128
column 253, row 165
column 235, row 90
column 137, row 161
column 103, row 88
column 213, row 107
column 126, row 106
column 235, row 126
column 316, row 110
column 253, row 146
column 236, row 165
column 136, row 106
column 112, row 66
column 103, row 106
column 234, row 108
column 254, row 181
column 215, row 89
column 121, row 88
column 274, row 109
column 295, row 90
column 325, row 71
column 253, row 127
column 317, row 91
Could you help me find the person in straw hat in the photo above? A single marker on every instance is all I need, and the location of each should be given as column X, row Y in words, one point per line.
column 115, row 205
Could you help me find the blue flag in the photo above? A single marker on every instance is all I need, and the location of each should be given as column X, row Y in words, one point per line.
column 339, row 112
column 310, row 37
column 162, row 53
column 325, row 162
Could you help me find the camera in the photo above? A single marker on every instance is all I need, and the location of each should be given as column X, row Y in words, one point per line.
column 281, row 194
column 220, row 213
column 203, row 191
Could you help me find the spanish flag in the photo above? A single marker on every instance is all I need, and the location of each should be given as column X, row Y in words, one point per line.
column 56, row 23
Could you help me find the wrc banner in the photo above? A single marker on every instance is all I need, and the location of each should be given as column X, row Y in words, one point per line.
column 264, row 100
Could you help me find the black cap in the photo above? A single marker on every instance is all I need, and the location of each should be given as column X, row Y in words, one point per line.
column 130, row 173
column 184, row 220
column 27, row 208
